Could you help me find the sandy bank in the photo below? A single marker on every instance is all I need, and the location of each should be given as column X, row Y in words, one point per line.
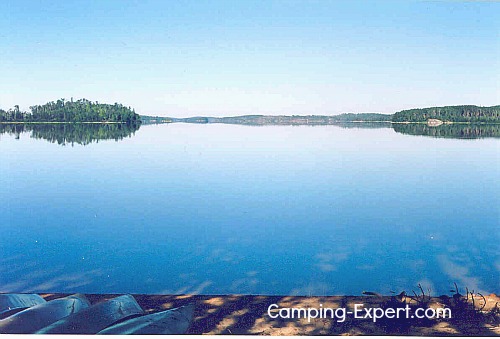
column 248, row 314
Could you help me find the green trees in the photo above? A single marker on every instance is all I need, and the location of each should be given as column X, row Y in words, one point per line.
column 469, row 113
column 292, row 119
column 150, row 120
column 363, row 117
column 81, row 110
column 84, row 110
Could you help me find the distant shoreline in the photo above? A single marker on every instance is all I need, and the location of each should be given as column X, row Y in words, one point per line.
column 87, row 112
column 182, row 121
column 433, row 116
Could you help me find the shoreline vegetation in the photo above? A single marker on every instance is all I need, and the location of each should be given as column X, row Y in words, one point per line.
column 434, row 116
column 70, row 111
column 84, row 121
column 87, row 112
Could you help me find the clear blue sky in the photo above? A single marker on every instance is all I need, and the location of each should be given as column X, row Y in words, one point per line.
column 184, row 58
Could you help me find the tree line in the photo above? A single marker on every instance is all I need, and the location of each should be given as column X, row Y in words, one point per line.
column 62, row 110
column 84, row 110
column 286, row 119
column 466, row 113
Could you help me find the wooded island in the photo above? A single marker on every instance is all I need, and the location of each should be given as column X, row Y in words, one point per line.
column 82, row 110
column 464, row 113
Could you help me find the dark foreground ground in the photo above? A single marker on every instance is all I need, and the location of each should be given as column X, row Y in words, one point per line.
column 248, row 314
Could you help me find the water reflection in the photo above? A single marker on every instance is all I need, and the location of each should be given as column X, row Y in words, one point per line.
column 84, row 134
column 373, row 125
column 70, row 134
column 454, row 131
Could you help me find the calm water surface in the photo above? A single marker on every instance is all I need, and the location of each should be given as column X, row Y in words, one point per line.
column 237, row 209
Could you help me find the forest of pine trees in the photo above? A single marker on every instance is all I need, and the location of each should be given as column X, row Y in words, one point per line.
column 81, row 110
column 469, row 113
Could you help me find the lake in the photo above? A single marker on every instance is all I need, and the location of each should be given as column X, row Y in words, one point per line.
column 220, row 209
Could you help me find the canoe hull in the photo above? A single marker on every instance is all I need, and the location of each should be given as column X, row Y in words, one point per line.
column 174, row 321
column 39, row 316
column 96, row 318
column 12, row 303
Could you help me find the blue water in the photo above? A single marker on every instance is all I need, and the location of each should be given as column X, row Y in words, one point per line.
column 219, row 209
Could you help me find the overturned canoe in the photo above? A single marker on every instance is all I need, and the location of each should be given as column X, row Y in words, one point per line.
column 174, row 321
column 42, row 315
column 96, row 318
column 13, row 302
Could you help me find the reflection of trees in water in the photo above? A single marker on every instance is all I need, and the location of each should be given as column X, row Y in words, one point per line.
column 85, row 134
column 455, row 131
column 72, row 133
column 374, row 125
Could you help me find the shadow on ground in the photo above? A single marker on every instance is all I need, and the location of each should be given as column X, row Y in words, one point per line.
column 248, row 314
